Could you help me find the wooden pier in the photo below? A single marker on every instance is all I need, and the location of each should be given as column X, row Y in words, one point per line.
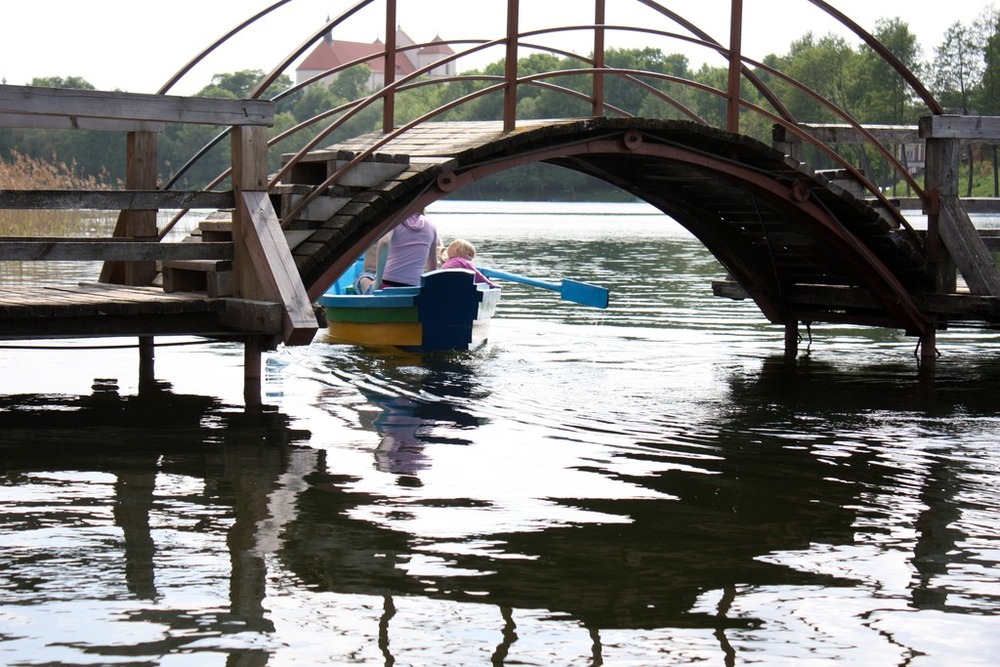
column 264, row 304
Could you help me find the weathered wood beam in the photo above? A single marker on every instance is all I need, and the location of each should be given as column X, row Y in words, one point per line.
column 960, row 305
column 249, row 315
column 275, row 267
column 61, row 102
column 17, row 248
column 140, row 174
column 971, row 204
column 115, row 200
column 41, row 122
column 842, row 133
column 981, row 129
column 967, row 248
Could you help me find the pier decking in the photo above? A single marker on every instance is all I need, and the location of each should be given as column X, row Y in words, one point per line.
column 94, row 310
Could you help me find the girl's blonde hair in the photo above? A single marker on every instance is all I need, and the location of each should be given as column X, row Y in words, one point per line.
column 461, row 248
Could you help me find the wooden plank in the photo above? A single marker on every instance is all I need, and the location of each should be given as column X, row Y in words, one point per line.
column 842, row 133
column 41, row 122
column 91, row 250
column 982, row 129
column 36, row 101
column 114, row 200
column 257, row 316
column 275, row 267
column 971, row 256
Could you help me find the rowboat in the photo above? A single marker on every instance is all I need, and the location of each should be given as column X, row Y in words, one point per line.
column 448, row 311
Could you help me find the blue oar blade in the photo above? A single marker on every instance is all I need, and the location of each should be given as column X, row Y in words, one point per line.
column 584, row 293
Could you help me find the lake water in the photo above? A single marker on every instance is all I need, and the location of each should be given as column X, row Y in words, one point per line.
column 654, row 484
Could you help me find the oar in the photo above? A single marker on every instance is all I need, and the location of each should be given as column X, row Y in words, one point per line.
column 569, row 290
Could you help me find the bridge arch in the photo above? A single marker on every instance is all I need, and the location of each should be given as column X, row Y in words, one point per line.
column 773, row 226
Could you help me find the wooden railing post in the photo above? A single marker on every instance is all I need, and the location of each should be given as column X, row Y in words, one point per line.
column 510, row 68
column 263, row 267
column 140, row 174
column 249, row 153
column 940, row 180
column 599, row 14
column 735, row 67
column 947, row 219
column 389, row 76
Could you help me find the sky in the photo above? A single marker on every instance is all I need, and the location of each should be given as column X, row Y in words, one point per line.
column 137, row 45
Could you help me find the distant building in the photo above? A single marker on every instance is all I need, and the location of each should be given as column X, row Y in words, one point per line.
column 331, row 53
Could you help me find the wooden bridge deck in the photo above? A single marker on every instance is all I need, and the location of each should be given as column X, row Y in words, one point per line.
column 100, row 309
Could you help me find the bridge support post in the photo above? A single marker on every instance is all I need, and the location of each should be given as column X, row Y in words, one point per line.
column 253, row 350
column 791, row 338
column 928, row 348
column 147, row 378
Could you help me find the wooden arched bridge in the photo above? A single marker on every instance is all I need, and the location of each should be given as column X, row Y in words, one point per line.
column 805, row 245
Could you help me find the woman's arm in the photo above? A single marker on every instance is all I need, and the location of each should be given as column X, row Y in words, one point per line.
column 382, row 253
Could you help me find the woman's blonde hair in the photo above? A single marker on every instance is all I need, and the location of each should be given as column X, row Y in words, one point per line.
column 461, row 248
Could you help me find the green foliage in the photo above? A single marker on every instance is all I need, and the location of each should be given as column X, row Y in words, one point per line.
column 74, row 82
column 823, row 67
column 986, row 31
column 240, row 85
column 957, row 63
column 350, row 84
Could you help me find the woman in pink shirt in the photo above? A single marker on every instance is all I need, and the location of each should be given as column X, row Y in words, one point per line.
column 406, row 252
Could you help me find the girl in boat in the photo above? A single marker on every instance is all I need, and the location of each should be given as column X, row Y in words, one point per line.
column 460, row 254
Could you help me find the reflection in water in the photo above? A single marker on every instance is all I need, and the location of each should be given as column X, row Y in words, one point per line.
column 654, row 484
column 420, row 392
column 58, row 451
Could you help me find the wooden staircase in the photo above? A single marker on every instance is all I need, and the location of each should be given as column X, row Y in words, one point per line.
column 212, row 276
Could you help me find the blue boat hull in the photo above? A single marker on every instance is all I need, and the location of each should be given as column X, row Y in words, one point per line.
column 449, row 311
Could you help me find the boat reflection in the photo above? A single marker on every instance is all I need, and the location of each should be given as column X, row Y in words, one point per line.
column 420, row 399
column 734, row 499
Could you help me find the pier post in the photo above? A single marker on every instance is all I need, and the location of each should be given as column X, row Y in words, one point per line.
column 941, row 181
column 791, row 338
column 147, row 378
column 252, row 352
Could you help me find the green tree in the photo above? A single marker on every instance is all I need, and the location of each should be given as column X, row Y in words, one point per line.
column 74, row 82
column 352, row 83
column 822, row 65
column 986, row 29
column 957, row 66
column 239, row 85
column 877, row 93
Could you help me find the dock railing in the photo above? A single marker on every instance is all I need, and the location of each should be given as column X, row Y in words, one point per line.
column 263, row 268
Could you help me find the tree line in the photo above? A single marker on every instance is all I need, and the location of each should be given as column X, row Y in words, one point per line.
column 963, row 73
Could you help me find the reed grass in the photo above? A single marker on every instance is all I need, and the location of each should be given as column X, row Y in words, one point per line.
column 23, row 172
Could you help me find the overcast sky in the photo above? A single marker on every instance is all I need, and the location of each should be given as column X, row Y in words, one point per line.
column 137, row 45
